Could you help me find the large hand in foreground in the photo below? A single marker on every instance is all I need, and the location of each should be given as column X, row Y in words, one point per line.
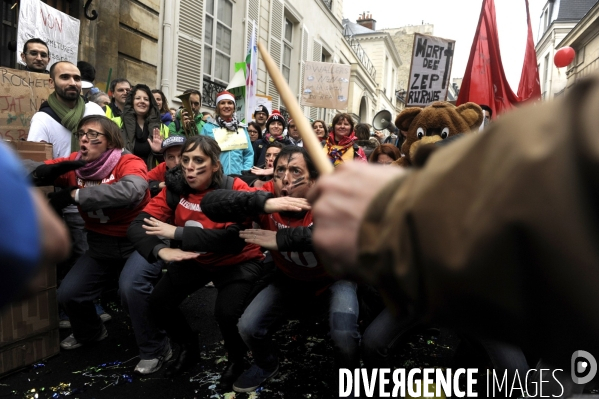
column 339, row 203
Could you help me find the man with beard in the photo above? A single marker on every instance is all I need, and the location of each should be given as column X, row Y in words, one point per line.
column 56, row 122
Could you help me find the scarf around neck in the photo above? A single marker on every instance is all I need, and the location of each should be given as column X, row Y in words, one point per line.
column 100, row 168
column 231, row 125
column 334, row 152
column 270, row 138
column 69, row 117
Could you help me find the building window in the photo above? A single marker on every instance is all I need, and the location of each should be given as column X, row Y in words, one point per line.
column 287, row 49
column 8, row 33
column 217, row 39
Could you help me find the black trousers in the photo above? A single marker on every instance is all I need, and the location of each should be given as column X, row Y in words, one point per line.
column 236, row 285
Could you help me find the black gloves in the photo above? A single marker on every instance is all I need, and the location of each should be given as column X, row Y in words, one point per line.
column 44, row 175
column 61, row 199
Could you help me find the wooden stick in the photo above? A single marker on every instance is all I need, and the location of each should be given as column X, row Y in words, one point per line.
column 311, row 143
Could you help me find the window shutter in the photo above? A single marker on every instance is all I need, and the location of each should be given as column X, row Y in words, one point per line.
column 316, row 56
column 190, row 45
column 253, row 13
column 275, row 48
column 304, row 49
column 317, row 52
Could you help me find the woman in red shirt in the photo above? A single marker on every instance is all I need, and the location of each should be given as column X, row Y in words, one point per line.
column 201, row 251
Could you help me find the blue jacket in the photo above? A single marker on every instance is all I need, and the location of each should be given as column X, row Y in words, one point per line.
column 233, row 161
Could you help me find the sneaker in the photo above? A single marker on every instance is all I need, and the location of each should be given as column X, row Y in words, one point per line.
column 252, row 378
column 103, row 315
column 63, row 320
column 149, row 366
column 71, row 342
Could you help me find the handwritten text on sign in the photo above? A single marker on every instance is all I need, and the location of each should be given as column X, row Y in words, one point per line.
column 430, row 70
column 21, row 94
column 59, row 30
column 326, row 85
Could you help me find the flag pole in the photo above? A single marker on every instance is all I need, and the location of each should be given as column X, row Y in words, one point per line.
column 311, row 143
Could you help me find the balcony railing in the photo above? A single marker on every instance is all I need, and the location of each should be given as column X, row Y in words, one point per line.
column 209, row 91
column 359, row 51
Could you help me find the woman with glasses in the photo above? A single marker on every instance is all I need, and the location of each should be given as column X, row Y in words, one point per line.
column 140, row 124
column 254, row 131
column 109, row 189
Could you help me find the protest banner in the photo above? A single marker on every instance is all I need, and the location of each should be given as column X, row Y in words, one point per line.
column 21, row 94
column 326, row 85
column 59, row 30
column 430, row 70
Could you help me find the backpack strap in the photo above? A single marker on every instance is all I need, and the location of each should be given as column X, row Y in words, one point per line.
column 45, row 108
column 227, row 183
column 172, row 199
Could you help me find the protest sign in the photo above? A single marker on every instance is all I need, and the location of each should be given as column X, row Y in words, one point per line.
column 21, row 94
column 264, row 100
column 430, row 70
column 59, row 30
column 326, row 85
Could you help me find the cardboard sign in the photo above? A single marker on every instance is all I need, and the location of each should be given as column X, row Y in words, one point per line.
column 228, row 141
column 430, row 71
column 326, row 85
column 21, row 94
column 59, row 30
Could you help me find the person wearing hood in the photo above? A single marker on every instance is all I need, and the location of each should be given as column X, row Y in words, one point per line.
column 140, row 125
column 232, row 137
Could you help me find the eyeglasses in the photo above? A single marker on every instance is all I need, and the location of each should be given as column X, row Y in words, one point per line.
column 291, row 126
column 36, row 53
column 252, row 131
column 91, row 134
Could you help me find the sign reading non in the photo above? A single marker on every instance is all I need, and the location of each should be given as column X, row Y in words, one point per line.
column 430, row 71
column 21, row 94
column 59, row 30
column 326, row 85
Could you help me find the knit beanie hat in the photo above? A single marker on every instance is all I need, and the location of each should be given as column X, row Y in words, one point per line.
column 261, row 108
column 276, row 116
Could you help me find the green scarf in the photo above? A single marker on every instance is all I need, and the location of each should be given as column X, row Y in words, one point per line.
column 70, row 117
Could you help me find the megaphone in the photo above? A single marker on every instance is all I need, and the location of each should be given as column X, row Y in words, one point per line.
column 382, row 120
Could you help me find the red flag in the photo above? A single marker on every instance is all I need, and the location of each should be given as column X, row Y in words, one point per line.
column 529, row 87
column 484, row 80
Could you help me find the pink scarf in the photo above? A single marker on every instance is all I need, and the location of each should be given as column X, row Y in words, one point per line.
column 100, row 168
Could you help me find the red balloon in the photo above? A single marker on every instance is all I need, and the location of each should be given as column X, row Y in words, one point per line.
column 564, row 56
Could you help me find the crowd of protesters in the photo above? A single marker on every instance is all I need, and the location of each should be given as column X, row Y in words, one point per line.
column 145, row 188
